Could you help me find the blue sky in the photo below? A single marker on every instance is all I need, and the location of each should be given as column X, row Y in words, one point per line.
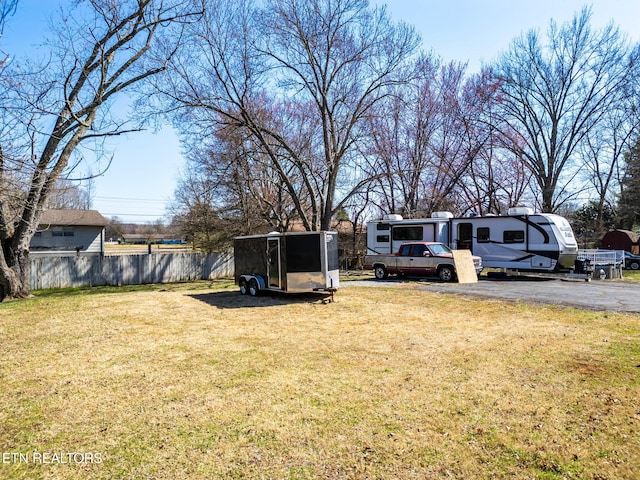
column 142, row 177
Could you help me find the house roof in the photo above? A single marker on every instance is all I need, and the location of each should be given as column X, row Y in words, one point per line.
column 84, row 218
column 622, row 235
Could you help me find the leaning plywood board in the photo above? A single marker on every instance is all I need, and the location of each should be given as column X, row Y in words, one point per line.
column 464, row 266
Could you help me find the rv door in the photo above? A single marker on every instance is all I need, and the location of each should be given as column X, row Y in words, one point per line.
column 465, row 236
column 273, row 264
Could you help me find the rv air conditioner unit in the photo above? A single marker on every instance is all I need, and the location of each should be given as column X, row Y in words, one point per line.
column 520, row 211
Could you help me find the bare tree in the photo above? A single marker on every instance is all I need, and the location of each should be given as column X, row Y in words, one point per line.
column 101, row 50
column 425, row 138
column 402, row 128
column 7, row 8
column 602, row 153
column 496, row 178
column 69, row 194
column 229, row 189
column 299, row 78
column 554, row 93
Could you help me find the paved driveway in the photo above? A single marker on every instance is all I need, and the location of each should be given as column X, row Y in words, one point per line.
column 594, row 295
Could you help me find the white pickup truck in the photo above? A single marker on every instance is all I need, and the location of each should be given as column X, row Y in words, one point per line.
column 418, row 258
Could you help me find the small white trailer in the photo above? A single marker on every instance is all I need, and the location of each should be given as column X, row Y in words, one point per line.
column 287, row 262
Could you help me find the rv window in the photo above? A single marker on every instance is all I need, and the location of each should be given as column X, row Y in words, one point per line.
column 382, row 226
column 483, row 235
column 513, row 236
column 382, row 239
column 407, row 233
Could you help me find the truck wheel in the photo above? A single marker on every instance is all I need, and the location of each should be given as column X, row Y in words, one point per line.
column 243, row 287
column 253, row 287
column 445, row 273
column 380, row 272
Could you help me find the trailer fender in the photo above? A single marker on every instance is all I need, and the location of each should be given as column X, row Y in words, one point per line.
column 251, row 284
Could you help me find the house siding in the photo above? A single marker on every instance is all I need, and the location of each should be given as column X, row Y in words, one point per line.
column 88, row 239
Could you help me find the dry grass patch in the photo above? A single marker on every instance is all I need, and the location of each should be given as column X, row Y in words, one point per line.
column 199, row 382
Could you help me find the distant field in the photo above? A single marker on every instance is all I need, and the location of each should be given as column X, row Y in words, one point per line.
column 194, row 381
column 111, row 249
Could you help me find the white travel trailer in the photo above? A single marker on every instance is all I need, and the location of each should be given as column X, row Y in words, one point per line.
column 522, row 240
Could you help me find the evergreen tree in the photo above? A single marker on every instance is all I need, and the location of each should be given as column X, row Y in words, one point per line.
column 629, row 203
column 589, row 223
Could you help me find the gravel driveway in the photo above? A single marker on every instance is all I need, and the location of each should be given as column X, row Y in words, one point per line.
column 594, row 295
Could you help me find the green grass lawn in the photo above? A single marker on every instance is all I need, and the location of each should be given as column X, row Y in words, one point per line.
column 194, row 381
column 631, row 276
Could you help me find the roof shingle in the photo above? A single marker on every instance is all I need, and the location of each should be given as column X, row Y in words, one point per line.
column 72, row 218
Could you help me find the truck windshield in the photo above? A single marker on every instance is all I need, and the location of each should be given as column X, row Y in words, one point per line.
column 439, row 249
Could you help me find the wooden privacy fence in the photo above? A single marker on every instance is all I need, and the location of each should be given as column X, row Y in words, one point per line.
column 96, row 270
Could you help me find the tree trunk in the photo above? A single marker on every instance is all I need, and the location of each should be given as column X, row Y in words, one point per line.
column 57, row 108
column 14, row 272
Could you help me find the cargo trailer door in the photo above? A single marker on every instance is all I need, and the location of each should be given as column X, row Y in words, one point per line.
column 273, row 264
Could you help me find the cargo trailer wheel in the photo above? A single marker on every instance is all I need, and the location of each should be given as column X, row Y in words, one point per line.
column 244, row 289
column 253, row 287
column 445, row 273
column 380, row 272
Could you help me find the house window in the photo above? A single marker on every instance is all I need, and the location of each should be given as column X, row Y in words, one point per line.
column 513, row 236
column 483, row 235
column 62, row 232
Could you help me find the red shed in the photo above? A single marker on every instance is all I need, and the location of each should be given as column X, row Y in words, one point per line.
column 621, row 240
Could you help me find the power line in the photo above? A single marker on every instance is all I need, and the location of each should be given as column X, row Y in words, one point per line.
column 126, row 199
column 133, row 214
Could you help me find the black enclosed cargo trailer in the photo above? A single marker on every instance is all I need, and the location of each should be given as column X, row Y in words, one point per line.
column 287, row 262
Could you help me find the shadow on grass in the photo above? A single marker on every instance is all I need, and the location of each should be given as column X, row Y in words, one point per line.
column 147, row 287
column 264, row 299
